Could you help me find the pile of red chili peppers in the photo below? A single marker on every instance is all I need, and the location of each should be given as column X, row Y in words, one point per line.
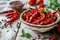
column 12, row 15
column 36, row 16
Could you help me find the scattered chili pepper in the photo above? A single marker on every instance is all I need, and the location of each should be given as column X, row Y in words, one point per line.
column 7, row 11
column 12, row 17
column 15, row 16
column 58, row 29
column 53, row 38
column 10, row 13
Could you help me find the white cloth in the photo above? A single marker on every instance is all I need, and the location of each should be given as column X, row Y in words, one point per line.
column 8, row 34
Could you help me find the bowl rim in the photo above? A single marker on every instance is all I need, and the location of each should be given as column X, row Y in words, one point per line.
column 41, row 26
column 16, row 1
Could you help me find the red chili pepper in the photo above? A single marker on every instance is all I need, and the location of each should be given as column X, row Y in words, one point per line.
column 52, row 13
column 8, row 11
column 36, row 22
column 19, row 11
column 44, row 17
column 40, row 6
column 24, row 16
column 27, row 18
column 46, row 21
column 58, row 29
column 54, row 16
column 33, row 10
column 39, row 20
column 53, row 38
column 56, row 11
column 10, row 16
column 33, row 16
column 47, row 14
column 39, row 1
column 31, row 2
column 14, row 17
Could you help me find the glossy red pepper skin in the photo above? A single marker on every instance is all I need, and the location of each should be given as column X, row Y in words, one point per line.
column 46, row 21
column 33, row 16
column 53, row 38
column 24, row 16
column 58, row 29
column 10, row 16
column 36, row 22
column 39, row 1
column 57, row 10
column 52, row 13
column 13, row 17
column 31, row 2
column 27, row 18
column 42, row 16
column 8, row 11
column 33, row 10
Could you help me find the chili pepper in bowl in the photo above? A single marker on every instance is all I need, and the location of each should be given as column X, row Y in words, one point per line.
column 46, row 21
column 27, row 18
column 35, row 16
column 58, row 29
column 42, row 16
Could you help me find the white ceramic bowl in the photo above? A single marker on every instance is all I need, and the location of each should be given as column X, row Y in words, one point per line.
column 18, row 6
column 40, row 28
